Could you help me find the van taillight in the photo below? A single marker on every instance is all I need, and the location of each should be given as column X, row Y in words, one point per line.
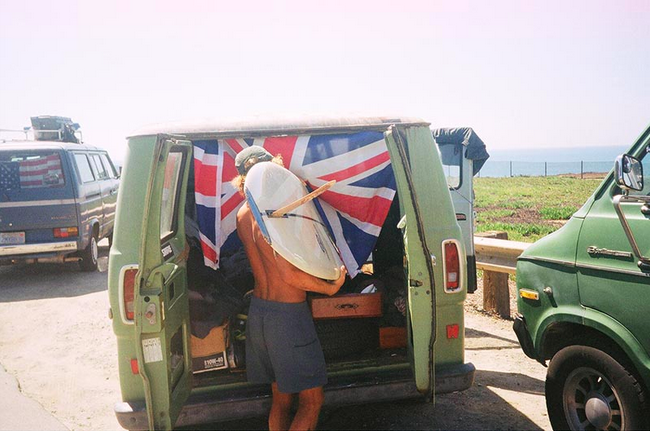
column 452, row 267
column 129, row 292
column 66, row 232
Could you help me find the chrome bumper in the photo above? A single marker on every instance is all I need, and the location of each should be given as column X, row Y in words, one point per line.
column 51, row 247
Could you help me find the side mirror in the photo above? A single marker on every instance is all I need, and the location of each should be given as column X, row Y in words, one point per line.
column 629, row 172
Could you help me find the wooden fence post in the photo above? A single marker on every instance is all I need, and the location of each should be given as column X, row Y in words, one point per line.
column 496, row 295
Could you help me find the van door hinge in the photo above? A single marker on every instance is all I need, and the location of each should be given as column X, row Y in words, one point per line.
column 415, row 283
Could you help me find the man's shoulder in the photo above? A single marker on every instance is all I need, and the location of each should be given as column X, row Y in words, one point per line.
column 243, row 213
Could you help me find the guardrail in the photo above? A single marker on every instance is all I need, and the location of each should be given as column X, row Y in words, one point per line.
column 497, row 257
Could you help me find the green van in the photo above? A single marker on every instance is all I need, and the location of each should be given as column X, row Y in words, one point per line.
column 392, row 219
column 584, row 304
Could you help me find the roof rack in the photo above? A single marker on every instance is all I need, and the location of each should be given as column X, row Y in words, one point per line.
column 49, row 128
column 54, row 128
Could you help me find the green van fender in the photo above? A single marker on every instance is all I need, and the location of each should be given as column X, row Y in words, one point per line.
column 603, row 323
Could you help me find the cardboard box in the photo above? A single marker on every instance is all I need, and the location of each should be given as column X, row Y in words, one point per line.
column 209, row 353
column 346, row 306
column 392, row 337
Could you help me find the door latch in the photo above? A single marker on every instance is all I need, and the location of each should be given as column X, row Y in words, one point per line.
column 150, row 313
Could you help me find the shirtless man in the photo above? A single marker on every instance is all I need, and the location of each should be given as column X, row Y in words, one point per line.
column 282, row 347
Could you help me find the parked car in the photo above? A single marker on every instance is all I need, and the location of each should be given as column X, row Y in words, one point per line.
column 584, row 304
column 176, row 215
column 57, row 199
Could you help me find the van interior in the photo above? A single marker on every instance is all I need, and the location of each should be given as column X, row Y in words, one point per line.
column 219, row 301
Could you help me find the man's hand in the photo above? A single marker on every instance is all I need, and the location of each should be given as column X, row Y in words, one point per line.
column 336, row 284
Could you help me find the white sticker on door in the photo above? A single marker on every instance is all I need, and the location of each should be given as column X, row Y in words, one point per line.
column 152, row 350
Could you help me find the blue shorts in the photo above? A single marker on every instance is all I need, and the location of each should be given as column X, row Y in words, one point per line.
column 282, row 346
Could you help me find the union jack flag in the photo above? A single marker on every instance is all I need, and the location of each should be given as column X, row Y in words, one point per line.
column 354, row 209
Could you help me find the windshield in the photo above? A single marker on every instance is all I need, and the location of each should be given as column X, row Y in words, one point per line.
column 21, row 170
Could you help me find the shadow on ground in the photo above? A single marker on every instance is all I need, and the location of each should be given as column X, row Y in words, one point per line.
column 49, row 280
column 476, row 408
column 475, row 333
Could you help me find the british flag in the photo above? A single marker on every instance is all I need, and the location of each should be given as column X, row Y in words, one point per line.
column 354, row 209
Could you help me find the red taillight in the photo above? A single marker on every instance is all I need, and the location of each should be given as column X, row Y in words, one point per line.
column 452, row 266
column 66, row 232
column 453, row 331
column 135, row 369
column 129, row 292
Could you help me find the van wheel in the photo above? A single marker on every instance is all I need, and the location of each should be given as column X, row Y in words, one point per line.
column 343, row 337
column 588, row 389
column 89, row 256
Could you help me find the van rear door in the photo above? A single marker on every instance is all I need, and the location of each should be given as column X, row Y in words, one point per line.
column 160, row 298
column 36, row 197
column 419, row 267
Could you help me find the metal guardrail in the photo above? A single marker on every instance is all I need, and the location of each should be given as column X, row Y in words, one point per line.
column 498, row 255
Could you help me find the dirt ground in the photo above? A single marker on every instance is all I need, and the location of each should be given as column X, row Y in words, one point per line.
column 56, row 339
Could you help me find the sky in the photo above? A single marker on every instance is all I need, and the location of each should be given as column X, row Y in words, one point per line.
column 523, row 74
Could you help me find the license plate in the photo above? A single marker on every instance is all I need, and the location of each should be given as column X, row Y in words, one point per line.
column 12, row 238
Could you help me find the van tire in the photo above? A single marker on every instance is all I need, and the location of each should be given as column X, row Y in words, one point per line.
column 90, row 256
column 581, row 378
column 344, row 337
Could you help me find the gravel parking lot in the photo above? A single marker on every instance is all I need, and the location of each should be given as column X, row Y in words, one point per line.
column 56, row 339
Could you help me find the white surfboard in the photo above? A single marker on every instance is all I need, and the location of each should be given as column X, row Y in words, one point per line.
column 299, row 236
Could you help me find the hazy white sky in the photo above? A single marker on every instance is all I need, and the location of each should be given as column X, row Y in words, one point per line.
column 521, row 73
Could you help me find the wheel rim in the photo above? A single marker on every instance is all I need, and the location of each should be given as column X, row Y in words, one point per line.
column 94, row 250
column 591, row 401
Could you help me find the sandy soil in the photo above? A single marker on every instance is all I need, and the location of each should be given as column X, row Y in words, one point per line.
column 57, row 340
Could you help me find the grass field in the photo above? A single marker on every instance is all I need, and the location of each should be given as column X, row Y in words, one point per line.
column 529, row 208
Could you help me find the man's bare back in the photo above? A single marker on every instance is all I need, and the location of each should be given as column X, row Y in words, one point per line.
column 275, row 278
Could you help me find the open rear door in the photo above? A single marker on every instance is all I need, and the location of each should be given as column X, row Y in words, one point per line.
column 419, row 267
column 161, row 302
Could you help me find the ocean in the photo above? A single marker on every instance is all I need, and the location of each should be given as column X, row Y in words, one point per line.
column 550, row 161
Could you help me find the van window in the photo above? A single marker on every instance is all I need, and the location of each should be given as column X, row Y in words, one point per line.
column 109, row 166
column 83, row 165
column 452, row 159
column 102, row 172
column 170, row 194
column 30, row 170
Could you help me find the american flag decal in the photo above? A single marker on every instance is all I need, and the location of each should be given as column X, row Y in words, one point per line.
column 34, row 172
column 354, row 209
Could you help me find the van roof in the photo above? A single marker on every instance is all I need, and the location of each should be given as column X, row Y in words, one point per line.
column 267, row 125
column 14, row 145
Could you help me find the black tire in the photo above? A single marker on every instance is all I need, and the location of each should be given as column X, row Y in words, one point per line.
column 90, row 256
column 588, row 389
column 344, row 337
column 110, row 240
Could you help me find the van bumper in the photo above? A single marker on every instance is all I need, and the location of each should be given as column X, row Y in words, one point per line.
column 253, row 402
column 24, row 249
column 523, row 335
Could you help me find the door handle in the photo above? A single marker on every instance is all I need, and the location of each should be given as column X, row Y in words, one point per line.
column 645, row 209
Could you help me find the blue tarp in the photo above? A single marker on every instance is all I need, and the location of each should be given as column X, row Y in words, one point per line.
column 474, row 147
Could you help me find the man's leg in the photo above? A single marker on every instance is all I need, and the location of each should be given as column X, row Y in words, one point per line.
column 280, row 416
column 309, row 403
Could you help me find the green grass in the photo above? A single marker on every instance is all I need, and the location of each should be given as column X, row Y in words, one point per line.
column 556, row 213
column 529, row 208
